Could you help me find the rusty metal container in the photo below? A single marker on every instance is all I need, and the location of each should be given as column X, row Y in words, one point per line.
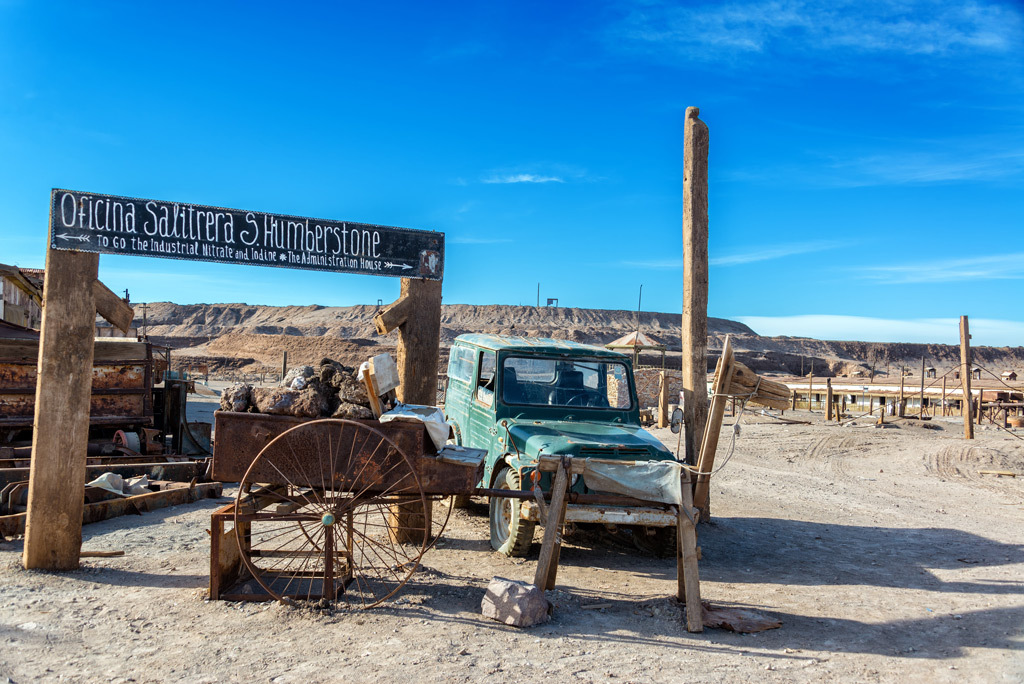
column 122, row 383
column 239, row 438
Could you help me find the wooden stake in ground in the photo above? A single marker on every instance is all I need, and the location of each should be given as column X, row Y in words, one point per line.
column 965, row 376
column 695, row 281
column 828, row 398
column 687, row 573
column 942, row 406
column 920, row 412
column 899, row 405
column 53, row 528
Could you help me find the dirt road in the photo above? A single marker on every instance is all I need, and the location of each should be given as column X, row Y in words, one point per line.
column 884, row 552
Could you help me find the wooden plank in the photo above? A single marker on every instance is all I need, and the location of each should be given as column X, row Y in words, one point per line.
column 695, row 281
column 114, row 309
column 371, row 391
column 687, row 573
column 965, row 377
column 706, row 459
column 385, row 373
column 53, row 528
column 547, row 564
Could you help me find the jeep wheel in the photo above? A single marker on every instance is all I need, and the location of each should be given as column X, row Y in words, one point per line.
column 510, row 534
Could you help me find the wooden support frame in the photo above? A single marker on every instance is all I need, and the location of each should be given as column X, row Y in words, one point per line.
column 687, row 570
column 965, row 377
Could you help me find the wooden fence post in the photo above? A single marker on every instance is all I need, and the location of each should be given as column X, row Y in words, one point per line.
column 828, row 398
column 965, row 376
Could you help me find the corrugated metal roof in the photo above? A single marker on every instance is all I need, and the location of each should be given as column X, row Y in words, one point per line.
column 535, row 345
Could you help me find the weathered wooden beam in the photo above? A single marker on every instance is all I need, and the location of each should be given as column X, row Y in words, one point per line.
column 547, row 563
column 394, row 315
column 53, row 528
column 687, row 574
column 695, row 281
column 709, row 445
column 113, row 309
column 662, row 399
column 419, row 342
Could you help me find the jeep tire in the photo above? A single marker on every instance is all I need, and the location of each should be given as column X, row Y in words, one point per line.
column 510, row 534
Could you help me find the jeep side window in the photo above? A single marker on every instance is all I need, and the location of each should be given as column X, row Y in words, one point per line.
column 461, row 363
column 485, row 379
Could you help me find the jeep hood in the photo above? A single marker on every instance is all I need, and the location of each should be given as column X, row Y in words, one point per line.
column 598, row 440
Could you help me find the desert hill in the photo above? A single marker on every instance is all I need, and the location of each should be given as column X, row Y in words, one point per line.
column 252, row 338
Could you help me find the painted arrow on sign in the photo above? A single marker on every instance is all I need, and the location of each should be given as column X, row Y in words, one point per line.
column 388, row 264
column 80, row 238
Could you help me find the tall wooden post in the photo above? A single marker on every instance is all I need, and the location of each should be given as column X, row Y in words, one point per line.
column 943, row 405
column 899, row 406
column 965, row 376
column 920, row 413
column 695, row 281
column 53, row 527
column 284, row 365
column 662, row 399
column 810, row 391
column 828, row 398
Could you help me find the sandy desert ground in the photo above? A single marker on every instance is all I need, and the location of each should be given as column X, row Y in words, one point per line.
column 883, row 551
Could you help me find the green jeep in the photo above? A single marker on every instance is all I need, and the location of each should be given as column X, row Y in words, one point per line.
column 521, row 397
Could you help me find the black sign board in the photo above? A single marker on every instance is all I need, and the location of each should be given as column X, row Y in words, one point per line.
column 108, row 224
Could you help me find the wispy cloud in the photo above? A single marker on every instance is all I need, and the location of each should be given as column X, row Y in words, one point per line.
column 521, row 178
column 904, row 162
column 989, row 332
column 997, row 267
column 926, row 27
column 774, row 252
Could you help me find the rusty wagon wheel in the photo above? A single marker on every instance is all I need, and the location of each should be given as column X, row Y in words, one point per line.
column 323, row 513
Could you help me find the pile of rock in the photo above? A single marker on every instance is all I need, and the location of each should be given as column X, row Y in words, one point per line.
column 329, row 389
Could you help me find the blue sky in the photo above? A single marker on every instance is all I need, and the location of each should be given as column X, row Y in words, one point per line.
column 866, row 165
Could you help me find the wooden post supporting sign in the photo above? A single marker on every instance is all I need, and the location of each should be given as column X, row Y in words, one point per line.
column 53, row 527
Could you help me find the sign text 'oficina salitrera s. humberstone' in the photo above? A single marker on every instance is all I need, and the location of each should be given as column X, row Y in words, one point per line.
column 90, row 222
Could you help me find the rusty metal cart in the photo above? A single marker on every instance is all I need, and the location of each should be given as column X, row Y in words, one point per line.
column 327, row 510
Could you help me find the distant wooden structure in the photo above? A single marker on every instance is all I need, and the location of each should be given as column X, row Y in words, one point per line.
column 636, row 343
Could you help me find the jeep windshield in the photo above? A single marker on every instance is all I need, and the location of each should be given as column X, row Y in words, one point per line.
column 576, row 383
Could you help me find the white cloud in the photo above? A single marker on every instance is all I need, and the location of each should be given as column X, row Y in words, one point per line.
column 984, row 331
column 925, row 27
column 775, row 252
column 997, row 267
column 522, row 178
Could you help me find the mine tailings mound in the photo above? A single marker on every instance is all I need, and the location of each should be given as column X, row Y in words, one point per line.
column 258, row 335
